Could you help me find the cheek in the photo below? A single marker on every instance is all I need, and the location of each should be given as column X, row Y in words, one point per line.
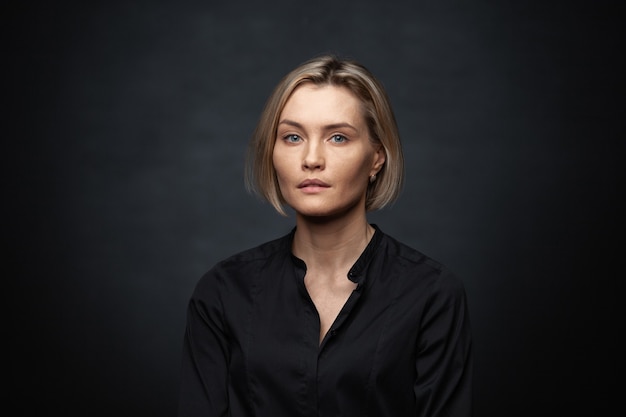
column 364, row 168
column 281, row 165
column 276, row 159
column 355, row 177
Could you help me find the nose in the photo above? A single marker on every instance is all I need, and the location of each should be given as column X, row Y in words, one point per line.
column 313, row 158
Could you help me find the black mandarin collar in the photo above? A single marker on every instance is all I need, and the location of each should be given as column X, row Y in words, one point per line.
column 356, row 273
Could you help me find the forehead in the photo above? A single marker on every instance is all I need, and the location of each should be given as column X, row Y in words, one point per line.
column 311, row 100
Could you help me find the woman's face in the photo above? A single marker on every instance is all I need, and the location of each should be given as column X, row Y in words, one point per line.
column 323, row 155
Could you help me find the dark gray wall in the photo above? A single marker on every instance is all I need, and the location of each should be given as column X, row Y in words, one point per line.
column 127, row 123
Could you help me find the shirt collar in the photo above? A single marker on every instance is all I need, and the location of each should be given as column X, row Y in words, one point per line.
column 356, row 274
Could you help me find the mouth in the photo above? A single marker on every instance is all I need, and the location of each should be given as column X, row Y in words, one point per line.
column 313, row 183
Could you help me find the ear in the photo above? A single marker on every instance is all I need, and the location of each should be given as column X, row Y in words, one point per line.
column 379, row 160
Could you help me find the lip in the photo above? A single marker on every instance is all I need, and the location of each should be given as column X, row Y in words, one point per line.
column 313, row 183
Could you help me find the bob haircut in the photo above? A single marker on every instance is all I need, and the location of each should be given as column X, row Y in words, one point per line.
column 260, row 175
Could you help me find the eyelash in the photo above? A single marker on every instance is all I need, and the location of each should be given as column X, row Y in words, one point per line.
column 291, row 138
column 342, row 137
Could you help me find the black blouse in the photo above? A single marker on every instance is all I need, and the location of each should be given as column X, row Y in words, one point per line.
column 401, row 345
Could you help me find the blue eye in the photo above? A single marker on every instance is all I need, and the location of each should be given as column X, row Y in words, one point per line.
column 292, row 138
column 338, row 139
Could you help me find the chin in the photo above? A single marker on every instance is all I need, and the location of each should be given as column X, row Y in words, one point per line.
column 324, row 210
column 315, row 213
column 324, row 214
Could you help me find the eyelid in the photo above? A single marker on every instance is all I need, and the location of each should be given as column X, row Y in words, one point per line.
column 289, row 136
column 341, row 135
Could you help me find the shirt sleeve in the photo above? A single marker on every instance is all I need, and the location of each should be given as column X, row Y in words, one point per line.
column 204, row 368
column 444, row 358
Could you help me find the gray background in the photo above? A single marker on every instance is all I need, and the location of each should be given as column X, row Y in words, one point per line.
column 126, row 126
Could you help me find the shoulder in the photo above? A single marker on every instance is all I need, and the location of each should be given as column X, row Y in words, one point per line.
column 246, row 264
column 419, row 269
column 258, row 254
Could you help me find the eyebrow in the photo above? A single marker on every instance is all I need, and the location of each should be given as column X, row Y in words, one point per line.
column 327, row 127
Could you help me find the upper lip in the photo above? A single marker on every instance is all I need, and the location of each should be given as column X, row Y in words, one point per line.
column 312, row 182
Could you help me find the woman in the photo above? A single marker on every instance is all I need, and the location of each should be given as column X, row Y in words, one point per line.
column 336, row 318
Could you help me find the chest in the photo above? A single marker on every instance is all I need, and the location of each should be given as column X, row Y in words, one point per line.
column 368, row 349
column 329, row 296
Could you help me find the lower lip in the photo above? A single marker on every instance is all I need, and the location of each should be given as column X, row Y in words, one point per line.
column 312, row 189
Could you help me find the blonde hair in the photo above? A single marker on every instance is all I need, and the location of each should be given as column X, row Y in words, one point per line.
column 260, row 175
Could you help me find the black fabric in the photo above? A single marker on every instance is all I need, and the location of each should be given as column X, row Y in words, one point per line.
column 401, row 345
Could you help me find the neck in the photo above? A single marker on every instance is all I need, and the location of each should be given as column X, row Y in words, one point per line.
column 331, row 244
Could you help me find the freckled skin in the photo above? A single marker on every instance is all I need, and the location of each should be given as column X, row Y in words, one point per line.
column 322, row 134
